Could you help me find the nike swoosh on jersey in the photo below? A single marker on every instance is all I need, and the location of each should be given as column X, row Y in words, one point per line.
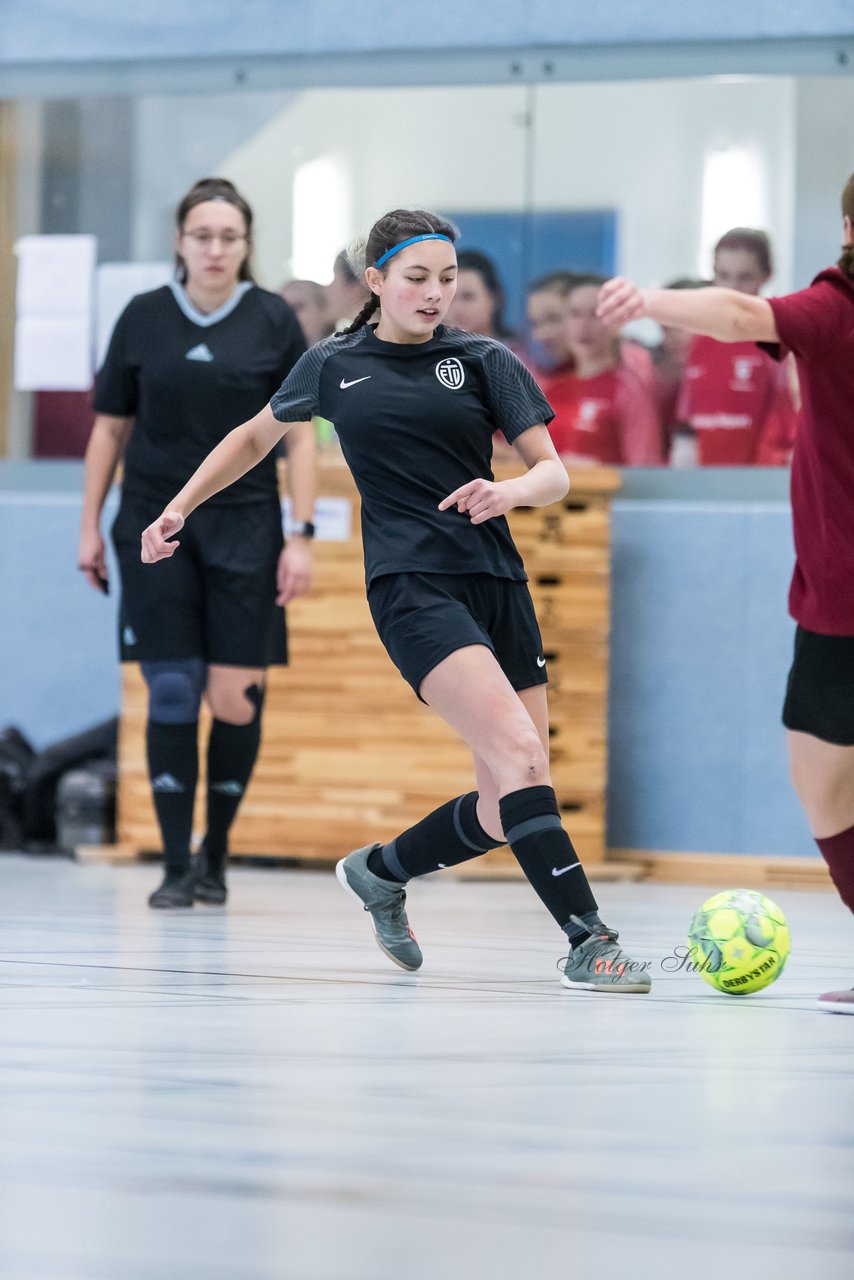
column 558, row 871
column 541, row 662
column 344, row 385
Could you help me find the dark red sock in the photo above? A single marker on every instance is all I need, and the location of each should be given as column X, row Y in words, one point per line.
column 838, row 853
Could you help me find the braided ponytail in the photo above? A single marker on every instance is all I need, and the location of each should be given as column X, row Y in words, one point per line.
column 363, row 317
column 846, row 262
column 390, row 230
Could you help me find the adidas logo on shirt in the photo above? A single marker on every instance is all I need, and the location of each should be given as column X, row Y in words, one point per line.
column 166, row 784
column 201, row 352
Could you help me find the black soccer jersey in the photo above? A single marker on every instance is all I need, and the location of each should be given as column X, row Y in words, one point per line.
column 188, row 379
column 415, row 422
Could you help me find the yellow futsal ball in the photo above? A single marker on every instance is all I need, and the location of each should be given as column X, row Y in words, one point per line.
column 739, row 941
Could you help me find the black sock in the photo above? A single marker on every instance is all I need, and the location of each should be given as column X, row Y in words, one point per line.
column 448, row 836
column 232, row 752
column 532, row 825
column 173, row 767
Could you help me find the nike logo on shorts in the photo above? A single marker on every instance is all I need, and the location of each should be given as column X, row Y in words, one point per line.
column 558, row 871
column 344, row 385
column 541, row 662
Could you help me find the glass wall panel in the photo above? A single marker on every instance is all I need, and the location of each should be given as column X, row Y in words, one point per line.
column 637, row 177
column 642, row 179
column 318, row 167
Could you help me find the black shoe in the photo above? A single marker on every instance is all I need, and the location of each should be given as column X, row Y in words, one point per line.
column 209, row 880
column 175, row 891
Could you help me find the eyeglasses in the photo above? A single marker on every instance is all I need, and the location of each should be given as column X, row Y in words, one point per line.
column 228, row 239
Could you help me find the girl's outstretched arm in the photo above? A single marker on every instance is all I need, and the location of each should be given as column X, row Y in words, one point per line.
column 724, row 314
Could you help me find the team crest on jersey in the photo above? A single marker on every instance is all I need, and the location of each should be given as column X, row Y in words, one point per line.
column 451, row 373
column 588, row 414
column 743, row 368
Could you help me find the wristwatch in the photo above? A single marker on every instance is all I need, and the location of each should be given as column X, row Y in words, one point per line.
column 302, row 529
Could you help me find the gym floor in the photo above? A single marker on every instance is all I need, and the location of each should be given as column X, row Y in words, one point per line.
column 257, row 1094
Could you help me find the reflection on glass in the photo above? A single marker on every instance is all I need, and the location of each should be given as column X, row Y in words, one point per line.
column 637, row 177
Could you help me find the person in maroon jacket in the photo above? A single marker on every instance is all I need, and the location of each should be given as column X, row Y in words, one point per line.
column 817, row 326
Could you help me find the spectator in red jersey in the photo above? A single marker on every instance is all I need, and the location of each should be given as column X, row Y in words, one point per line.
column 737, row 405
column 547, row 297
column 604, row 413
column 549, row 353
column 547, row 300
column 669, row 359
column 816, row 325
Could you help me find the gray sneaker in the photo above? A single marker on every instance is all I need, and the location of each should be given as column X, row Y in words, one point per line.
column 386, row 904
column 600, row 964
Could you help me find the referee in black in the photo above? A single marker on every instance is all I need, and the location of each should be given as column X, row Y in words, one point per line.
column 185, row 363
column 415, row 406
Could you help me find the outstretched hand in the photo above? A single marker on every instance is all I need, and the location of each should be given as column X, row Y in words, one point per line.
column 619, row 302
column 154, row 539
column 481, row 499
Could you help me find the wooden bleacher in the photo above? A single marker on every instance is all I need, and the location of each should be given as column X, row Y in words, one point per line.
column 350, row 755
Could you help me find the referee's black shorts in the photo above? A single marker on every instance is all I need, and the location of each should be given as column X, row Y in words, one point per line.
column 421, row 618
column 215, row 598
column 820, row 691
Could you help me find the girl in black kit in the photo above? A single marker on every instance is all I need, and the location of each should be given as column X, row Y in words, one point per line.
column 415, row 406
column 185, row 363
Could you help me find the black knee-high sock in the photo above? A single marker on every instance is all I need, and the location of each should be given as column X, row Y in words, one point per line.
column 532, row 826
column 173, row 767
column 232, row 752
column 448, row 836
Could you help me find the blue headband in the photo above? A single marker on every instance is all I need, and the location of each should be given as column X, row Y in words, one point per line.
column 389, row 253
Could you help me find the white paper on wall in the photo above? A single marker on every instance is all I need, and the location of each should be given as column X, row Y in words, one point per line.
column 54, row 301
column 53, row 353
column 55, row 274
column 116, row 283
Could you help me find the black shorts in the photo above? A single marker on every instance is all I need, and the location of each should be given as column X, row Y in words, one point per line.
column 215, row 598
column 422, row 617
column 820, row 691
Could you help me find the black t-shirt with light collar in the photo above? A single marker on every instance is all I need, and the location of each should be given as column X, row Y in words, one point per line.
column 187, row 379
column 415, row 422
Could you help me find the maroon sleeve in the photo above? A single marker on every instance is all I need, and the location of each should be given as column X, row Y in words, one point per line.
column 813, row 321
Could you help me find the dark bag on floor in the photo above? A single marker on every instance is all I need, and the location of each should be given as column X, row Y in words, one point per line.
column 40, row 816
column 16, row 756
column 86, row 805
